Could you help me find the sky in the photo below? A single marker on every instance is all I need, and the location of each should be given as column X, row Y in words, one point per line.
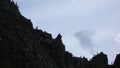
column 87, row 26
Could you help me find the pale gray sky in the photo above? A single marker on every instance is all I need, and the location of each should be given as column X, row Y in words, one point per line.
column 69, row 17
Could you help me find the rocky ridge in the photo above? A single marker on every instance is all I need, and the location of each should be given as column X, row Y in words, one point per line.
column 22, row 46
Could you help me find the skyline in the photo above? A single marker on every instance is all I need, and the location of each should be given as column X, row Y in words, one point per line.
column 69, row 17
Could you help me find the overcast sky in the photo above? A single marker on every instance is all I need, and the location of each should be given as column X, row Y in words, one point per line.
column 87, row 26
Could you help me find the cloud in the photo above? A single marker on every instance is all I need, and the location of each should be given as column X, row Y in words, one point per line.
column 117, row 38
column 86, row 40
column 73, row 1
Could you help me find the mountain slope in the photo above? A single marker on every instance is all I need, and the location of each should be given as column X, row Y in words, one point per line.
column 22, row 46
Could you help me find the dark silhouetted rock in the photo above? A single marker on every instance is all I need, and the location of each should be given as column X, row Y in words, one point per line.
column 80, row 62
column 22, row 46
column 99, row 61
column 69, row 60
column 58, row 51
column 117, row 61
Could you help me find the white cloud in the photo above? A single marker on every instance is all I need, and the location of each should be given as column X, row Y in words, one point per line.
column 117, row 38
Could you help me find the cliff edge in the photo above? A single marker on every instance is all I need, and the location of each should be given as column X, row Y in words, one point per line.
column 22, row 46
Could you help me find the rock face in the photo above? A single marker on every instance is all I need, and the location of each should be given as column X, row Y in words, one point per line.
column 99, row 61
column 117, row 61
column 22, row 46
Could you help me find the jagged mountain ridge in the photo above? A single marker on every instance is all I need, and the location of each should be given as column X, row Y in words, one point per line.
column 22, row 46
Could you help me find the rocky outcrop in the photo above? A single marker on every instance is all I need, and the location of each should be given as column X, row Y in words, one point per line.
column 80, row 62
column 117, row 61
column 22, row 46
column 69, row 60
column 99, row 61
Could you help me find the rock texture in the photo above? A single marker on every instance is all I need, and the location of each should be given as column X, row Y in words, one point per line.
column 22, row 46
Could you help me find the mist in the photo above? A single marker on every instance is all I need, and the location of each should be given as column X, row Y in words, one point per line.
column 85, row 38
